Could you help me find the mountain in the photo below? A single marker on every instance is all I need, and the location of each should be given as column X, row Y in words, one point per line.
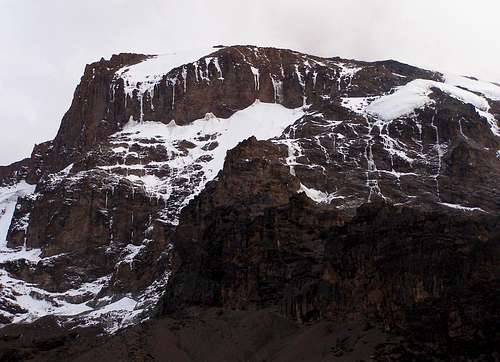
column 272, row 204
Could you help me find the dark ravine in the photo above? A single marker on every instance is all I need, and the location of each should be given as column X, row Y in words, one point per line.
column 348, row 235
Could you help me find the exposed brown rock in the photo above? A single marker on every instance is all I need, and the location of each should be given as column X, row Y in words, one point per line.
column 341, row 220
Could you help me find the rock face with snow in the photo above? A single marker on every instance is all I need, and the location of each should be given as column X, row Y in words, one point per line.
column 247, row 178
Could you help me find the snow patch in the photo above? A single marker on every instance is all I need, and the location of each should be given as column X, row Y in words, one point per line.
column 347, row 73
column 487, row 89
column 38, row 302
column 415, row 95
column 208, row 138
column 124, row 304
column 461, row 207
column 131, row 252
column 318, row 196
column 8, row 200
column 356, row 104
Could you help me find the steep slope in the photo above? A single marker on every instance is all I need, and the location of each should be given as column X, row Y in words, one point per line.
column 135, row 201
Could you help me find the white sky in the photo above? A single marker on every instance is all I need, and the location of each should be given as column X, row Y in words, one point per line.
column 45, row 44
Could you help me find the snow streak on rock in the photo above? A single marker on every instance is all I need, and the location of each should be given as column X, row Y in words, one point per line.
column 146, row 74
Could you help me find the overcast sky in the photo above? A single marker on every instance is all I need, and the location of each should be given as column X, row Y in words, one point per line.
column 44, row 45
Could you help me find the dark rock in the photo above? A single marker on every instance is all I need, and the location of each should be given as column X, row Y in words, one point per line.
column 343, row 221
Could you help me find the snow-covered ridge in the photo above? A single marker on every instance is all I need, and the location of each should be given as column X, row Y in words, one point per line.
column 415, row 94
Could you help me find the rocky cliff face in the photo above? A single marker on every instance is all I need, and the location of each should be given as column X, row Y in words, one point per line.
column 247, row 178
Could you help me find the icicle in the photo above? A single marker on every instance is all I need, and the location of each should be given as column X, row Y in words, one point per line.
column 141, row 104
column 111, row 229
column 217, row 65
column 255, row 73
column 151, row 96
column 315, row 76
column 184, row 77
column 440, row 154
column 196, row 70
column 278, row 90
column 112, row 92
column 173, row 95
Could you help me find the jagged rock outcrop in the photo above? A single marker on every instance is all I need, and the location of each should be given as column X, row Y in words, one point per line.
column 247, row 178
column 13, row 173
